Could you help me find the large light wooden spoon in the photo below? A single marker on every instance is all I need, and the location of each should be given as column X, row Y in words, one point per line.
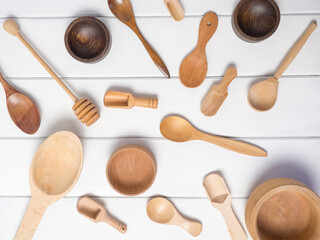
column 54, row 170
column 162, row 211
column 23, row 112
column 263, row 95
column 122, row 9
column 178, row 129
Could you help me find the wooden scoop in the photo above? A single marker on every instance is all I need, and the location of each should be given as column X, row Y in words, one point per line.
column 218, row 93
column 97, row 213
column 85, row 110
column 54, row 170
column 162, row 211
column 23, row 112
column 175, row 9
column 194, row 67
column 178, row 129
column 220, row 198
column 122, row 9
column 114, row 99
column 263, row 95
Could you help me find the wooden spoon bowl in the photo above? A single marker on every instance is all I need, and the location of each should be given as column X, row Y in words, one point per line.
column 86, row 111
column 255, row 20
column 87, row 39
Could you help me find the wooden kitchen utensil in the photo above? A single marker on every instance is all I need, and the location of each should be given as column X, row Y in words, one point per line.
column 54, row 170
column 283, row 208
column 97, row 213
column 220, row 199
column 263, row 95
column 175, row 9
column 162, row 211
column 23, row 112
column 85, row 110
column 194, row 67
column 122, row 9
column 178, row 129
column 218, row 93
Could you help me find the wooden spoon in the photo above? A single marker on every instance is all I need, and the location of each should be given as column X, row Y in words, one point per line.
column 194, row 67
column 54, row 170
column 23, row 112
column 220, row 198
column 122, row 10
column 175, row 9
column 178, row 129
column 263, row 95
column 218, row 93
column 97, row 213
column 114, row 99
column 162, row 211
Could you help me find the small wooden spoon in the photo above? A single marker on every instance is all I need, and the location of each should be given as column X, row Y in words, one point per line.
column 97, row 213
column 175, row 9
column 162, row 211
column 218, row 93
column 23, row 112
column 178, row 129
column 122, row 9
column 194, row 67
column 54, row 170
column 114, row 99
column 263, row 95
column 220, row 198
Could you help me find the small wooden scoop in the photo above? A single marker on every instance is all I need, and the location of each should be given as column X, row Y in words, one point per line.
column 175, row 9
column 220, row 198
column 114, row 99
column 218, row 93
column 97, row 213
column 162, row 211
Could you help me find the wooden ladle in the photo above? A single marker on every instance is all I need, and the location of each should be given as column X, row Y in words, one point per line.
column 23, row 112
column 162, row 211
column 54, row 170
column 122, row 9
column 263, row 95
column 194, row 67
column 178, row 129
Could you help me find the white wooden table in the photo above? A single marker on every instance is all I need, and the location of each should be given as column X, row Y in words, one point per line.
column 290, row 131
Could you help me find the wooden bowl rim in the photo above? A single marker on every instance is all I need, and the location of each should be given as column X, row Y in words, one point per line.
column 139, row 148
column 106, row 48
column 242, row 35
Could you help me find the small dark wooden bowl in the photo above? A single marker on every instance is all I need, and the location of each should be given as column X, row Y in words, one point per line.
column 87, row 39
column 255, row 20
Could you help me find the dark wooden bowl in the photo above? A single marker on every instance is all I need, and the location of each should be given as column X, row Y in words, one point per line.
column 255, row 20
column 87, row 39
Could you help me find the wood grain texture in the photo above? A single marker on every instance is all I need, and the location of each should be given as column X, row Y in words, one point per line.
column 175, row 9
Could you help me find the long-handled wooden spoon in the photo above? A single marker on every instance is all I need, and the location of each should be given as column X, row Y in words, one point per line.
column 263, row 95
column 23, row 112
column 175, row 9
column 85, row 110
column 194, row 67
column 220, row 198
column 54, row 170
column 162, row 211
column 218, row 93
column 97, row 213
column 122, row 9
column 178, row 129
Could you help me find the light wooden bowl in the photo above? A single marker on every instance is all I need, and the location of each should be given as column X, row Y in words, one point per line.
column 131, row 170
column 283, row 209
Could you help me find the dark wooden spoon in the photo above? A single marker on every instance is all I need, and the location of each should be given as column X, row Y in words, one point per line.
column 122, row 10
column 23, row 112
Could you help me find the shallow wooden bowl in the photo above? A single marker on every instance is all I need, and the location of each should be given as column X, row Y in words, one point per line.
column 87, row 39
column 131, row 170
column 283, row 208
column 255, row 20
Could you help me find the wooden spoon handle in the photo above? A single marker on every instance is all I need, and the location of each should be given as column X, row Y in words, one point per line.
column 208, row 27
column 295, row 50
column 230, row 74
column 193, row 227
column 7, row 88
column 146, row 102
column 115, row 224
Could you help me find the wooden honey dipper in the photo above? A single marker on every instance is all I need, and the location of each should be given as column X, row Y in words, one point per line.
column 84, row 109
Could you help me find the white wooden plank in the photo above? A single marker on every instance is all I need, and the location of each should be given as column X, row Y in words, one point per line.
column 181, row 166
column 60, row 8
column 295, row 113
column 128, row 58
